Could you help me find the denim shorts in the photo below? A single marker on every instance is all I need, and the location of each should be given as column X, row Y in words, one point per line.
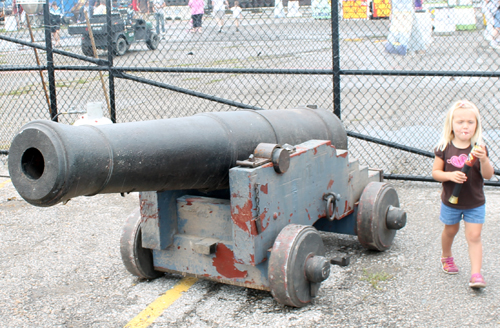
column 450, row 215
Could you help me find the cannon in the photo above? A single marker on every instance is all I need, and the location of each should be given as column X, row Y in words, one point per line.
column 236, row 197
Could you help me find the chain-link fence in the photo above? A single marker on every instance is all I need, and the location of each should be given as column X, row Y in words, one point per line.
column 391, row 80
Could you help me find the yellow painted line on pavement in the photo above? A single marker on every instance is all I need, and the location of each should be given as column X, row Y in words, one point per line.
column 155, row 309
column 4, row 183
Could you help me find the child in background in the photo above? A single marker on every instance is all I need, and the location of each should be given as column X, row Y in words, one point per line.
column 236, row 14
column 461, row 131
column 219, row 10
column 489, row 7
column 496, row 29
column 55, row 23
column 197, row 11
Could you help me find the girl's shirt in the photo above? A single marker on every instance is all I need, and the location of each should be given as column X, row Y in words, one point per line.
column 56, row 11
column 219, row 5
column 236, row 12
column 100, row 10
column 472, row 194
column 197, row 7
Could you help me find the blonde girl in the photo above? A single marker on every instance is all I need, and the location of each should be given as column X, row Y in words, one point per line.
column 461, row 131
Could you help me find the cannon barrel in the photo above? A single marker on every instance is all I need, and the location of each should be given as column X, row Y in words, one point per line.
column 51, row 162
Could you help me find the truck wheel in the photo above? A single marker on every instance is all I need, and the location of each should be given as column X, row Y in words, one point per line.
column 120, row 46
column 153, row 42
column 87, row 51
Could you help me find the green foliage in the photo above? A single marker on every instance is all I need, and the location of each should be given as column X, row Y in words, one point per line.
column 375, row 277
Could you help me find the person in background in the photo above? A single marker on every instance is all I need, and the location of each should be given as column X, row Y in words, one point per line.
column 197, row 11
column 236, row 14
column 219, row 8
column 489, row 7
column 55, row 23
column 84, row 9
column 18, row 12
column 496, row 28
column 158, row 6
column 99, row 8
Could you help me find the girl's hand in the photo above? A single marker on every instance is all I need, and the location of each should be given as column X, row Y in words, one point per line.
column 457, row 176
column 480, row 153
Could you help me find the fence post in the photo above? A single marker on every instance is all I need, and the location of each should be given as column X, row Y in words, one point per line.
column 50, row 62
column 112, row 109
column 336, row 57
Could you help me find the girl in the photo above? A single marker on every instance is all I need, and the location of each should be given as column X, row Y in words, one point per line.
column 197, row 11
column 462, row 130
column 236, row 14
column 55, row 22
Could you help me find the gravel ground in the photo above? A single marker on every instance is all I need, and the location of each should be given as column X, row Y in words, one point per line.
column 61, row 267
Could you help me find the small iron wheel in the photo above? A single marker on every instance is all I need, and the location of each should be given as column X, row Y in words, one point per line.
column 379, row 216
column 297, row 265
column 137, row 260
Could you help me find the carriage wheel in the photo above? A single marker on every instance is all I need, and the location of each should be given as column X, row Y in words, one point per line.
column 297, row 265
column 137, row 260
column 379, row 216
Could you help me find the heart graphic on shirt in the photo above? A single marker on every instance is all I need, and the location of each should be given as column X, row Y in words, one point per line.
column 458, row 161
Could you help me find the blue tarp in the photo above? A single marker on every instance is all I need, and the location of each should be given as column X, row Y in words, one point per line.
column 65, row 5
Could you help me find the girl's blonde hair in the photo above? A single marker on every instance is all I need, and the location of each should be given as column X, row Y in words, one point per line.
column 448, row 134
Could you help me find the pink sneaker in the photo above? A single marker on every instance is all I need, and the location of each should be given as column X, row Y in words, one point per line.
column 477, row 281
column 449, row 265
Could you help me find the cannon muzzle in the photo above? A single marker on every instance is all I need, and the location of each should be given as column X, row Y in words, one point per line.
column 51, row 162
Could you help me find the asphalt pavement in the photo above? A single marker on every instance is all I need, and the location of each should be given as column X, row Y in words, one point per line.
column 61, row 267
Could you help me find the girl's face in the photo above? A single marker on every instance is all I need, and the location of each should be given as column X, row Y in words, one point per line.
column 464, row 124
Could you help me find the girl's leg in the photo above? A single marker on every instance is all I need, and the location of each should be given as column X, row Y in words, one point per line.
column 449, row 233
column 473, row 236
column 200, row 21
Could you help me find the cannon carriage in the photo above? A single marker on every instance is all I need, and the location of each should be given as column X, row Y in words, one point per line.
column 235, row 197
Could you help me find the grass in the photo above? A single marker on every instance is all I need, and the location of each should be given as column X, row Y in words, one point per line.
column 224, row 61
column 19, row 91
column 59, row 84
column 62, row 84
column 187, row 65
column 68, row 84
column 375, row 277
column 215, row 81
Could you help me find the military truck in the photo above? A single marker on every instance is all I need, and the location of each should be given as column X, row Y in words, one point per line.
column 124, row 32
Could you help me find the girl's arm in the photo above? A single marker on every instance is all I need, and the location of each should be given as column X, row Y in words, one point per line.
column 440, row 175
column 486, row 167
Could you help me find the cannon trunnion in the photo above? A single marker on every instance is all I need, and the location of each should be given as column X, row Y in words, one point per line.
column 234, row 197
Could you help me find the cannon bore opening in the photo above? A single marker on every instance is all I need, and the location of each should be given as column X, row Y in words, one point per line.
column 33, row 163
